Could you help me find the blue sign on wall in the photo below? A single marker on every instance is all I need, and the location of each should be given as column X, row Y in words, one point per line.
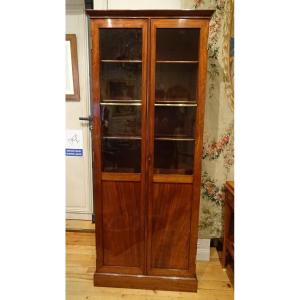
column 74, row 152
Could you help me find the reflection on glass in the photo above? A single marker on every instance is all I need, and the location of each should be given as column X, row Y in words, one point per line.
column 177, row 44
column 121, row 155
column 120, row 81
column 176, row 82
column 120, row 120
column 121, row 44
column 173, row 157
column 174, row 121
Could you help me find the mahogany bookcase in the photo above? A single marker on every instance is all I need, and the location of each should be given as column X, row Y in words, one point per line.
column 148, row 94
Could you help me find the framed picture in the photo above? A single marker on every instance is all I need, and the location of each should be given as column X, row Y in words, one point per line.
column 72, row 76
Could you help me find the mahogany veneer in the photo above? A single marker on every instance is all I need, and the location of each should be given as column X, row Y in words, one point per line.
column 228, row 241
column 147, row 165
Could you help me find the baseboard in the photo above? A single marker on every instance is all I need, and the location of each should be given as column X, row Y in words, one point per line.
column 80, row 226
column 79, row 216
column 203, row 249
column 80, row 230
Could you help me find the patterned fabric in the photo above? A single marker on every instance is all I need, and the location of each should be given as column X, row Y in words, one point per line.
column 218, row 146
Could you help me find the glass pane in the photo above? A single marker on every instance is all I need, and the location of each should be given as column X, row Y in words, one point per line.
column 177, row 44
column 120, row 81
column 173, row 157
column 121, row 155
column 176, row 82
column 121, row 120
column 175, row 121
column 118, row 43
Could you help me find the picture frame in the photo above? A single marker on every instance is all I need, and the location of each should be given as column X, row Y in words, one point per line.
column 72, row 90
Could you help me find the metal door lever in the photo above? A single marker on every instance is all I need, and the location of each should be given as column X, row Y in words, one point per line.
column 89, row 119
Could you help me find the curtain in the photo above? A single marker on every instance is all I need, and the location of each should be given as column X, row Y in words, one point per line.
column 218, row 146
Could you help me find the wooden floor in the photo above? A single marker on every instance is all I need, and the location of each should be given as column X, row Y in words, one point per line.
column 80, row 265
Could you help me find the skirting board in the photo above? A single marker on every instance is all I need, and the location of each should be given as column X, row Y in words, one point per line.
column 78, row 216
column 203, row 249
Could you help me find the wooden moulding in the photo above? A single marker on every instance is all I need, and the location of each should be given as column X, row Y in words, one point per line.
column 182, row 284
column 121, row 176
column 173, row 178
column 175, row 13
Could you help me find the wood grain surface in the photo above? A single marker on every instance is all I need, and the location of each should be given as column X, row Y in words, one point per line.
column 146, row 223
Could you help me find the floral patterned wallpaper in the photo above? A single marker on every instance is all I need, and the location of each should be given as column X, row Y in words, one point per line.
column 218, row 147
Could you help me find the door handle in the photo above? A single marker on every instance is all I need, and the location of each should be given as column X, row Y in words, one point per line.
column 88, row 119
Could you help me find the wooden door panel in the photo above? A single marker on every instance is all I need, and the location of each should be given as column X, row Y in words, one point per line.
column 171, row 214
column 174, row 149
column 123, row 225
column 119, row 91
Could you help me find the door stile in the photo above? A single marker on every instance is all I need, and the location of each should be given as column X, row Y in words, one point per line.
column 96, row 141
column 152, row 58
column 144, row 135
column 147, row 142
column 201, row 93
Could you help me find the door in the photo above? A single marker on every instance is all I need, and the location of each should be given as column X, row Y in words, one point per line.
column 176, row 111
column 79, row 197
column 119, row 58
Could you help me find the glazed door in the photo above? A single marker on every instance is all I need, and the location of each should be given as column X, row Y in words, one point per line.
column 119, row 57
column 176, row 111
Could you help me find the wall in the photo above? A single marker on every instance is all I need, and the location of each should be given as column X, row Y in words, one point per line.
column 78, row 169
column 138, row 4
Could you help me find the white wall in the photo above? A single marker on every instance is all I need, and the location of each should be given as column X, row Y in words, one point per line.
column 78, row 169
column 140, row 4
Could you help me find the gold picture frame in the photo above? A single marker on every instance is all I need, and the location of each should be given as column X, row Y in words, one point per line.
column 72, row 75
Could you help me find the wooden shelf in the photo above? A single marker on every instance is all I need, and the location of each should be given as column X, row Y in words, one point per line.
column 134, row 103
column 175, row 101
column 176, row 104
column 173, row 139
column 122, row 137
column 177, row 61
column 120, row 100
column 173, row 175
column 179, row 139
column 121, row 61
